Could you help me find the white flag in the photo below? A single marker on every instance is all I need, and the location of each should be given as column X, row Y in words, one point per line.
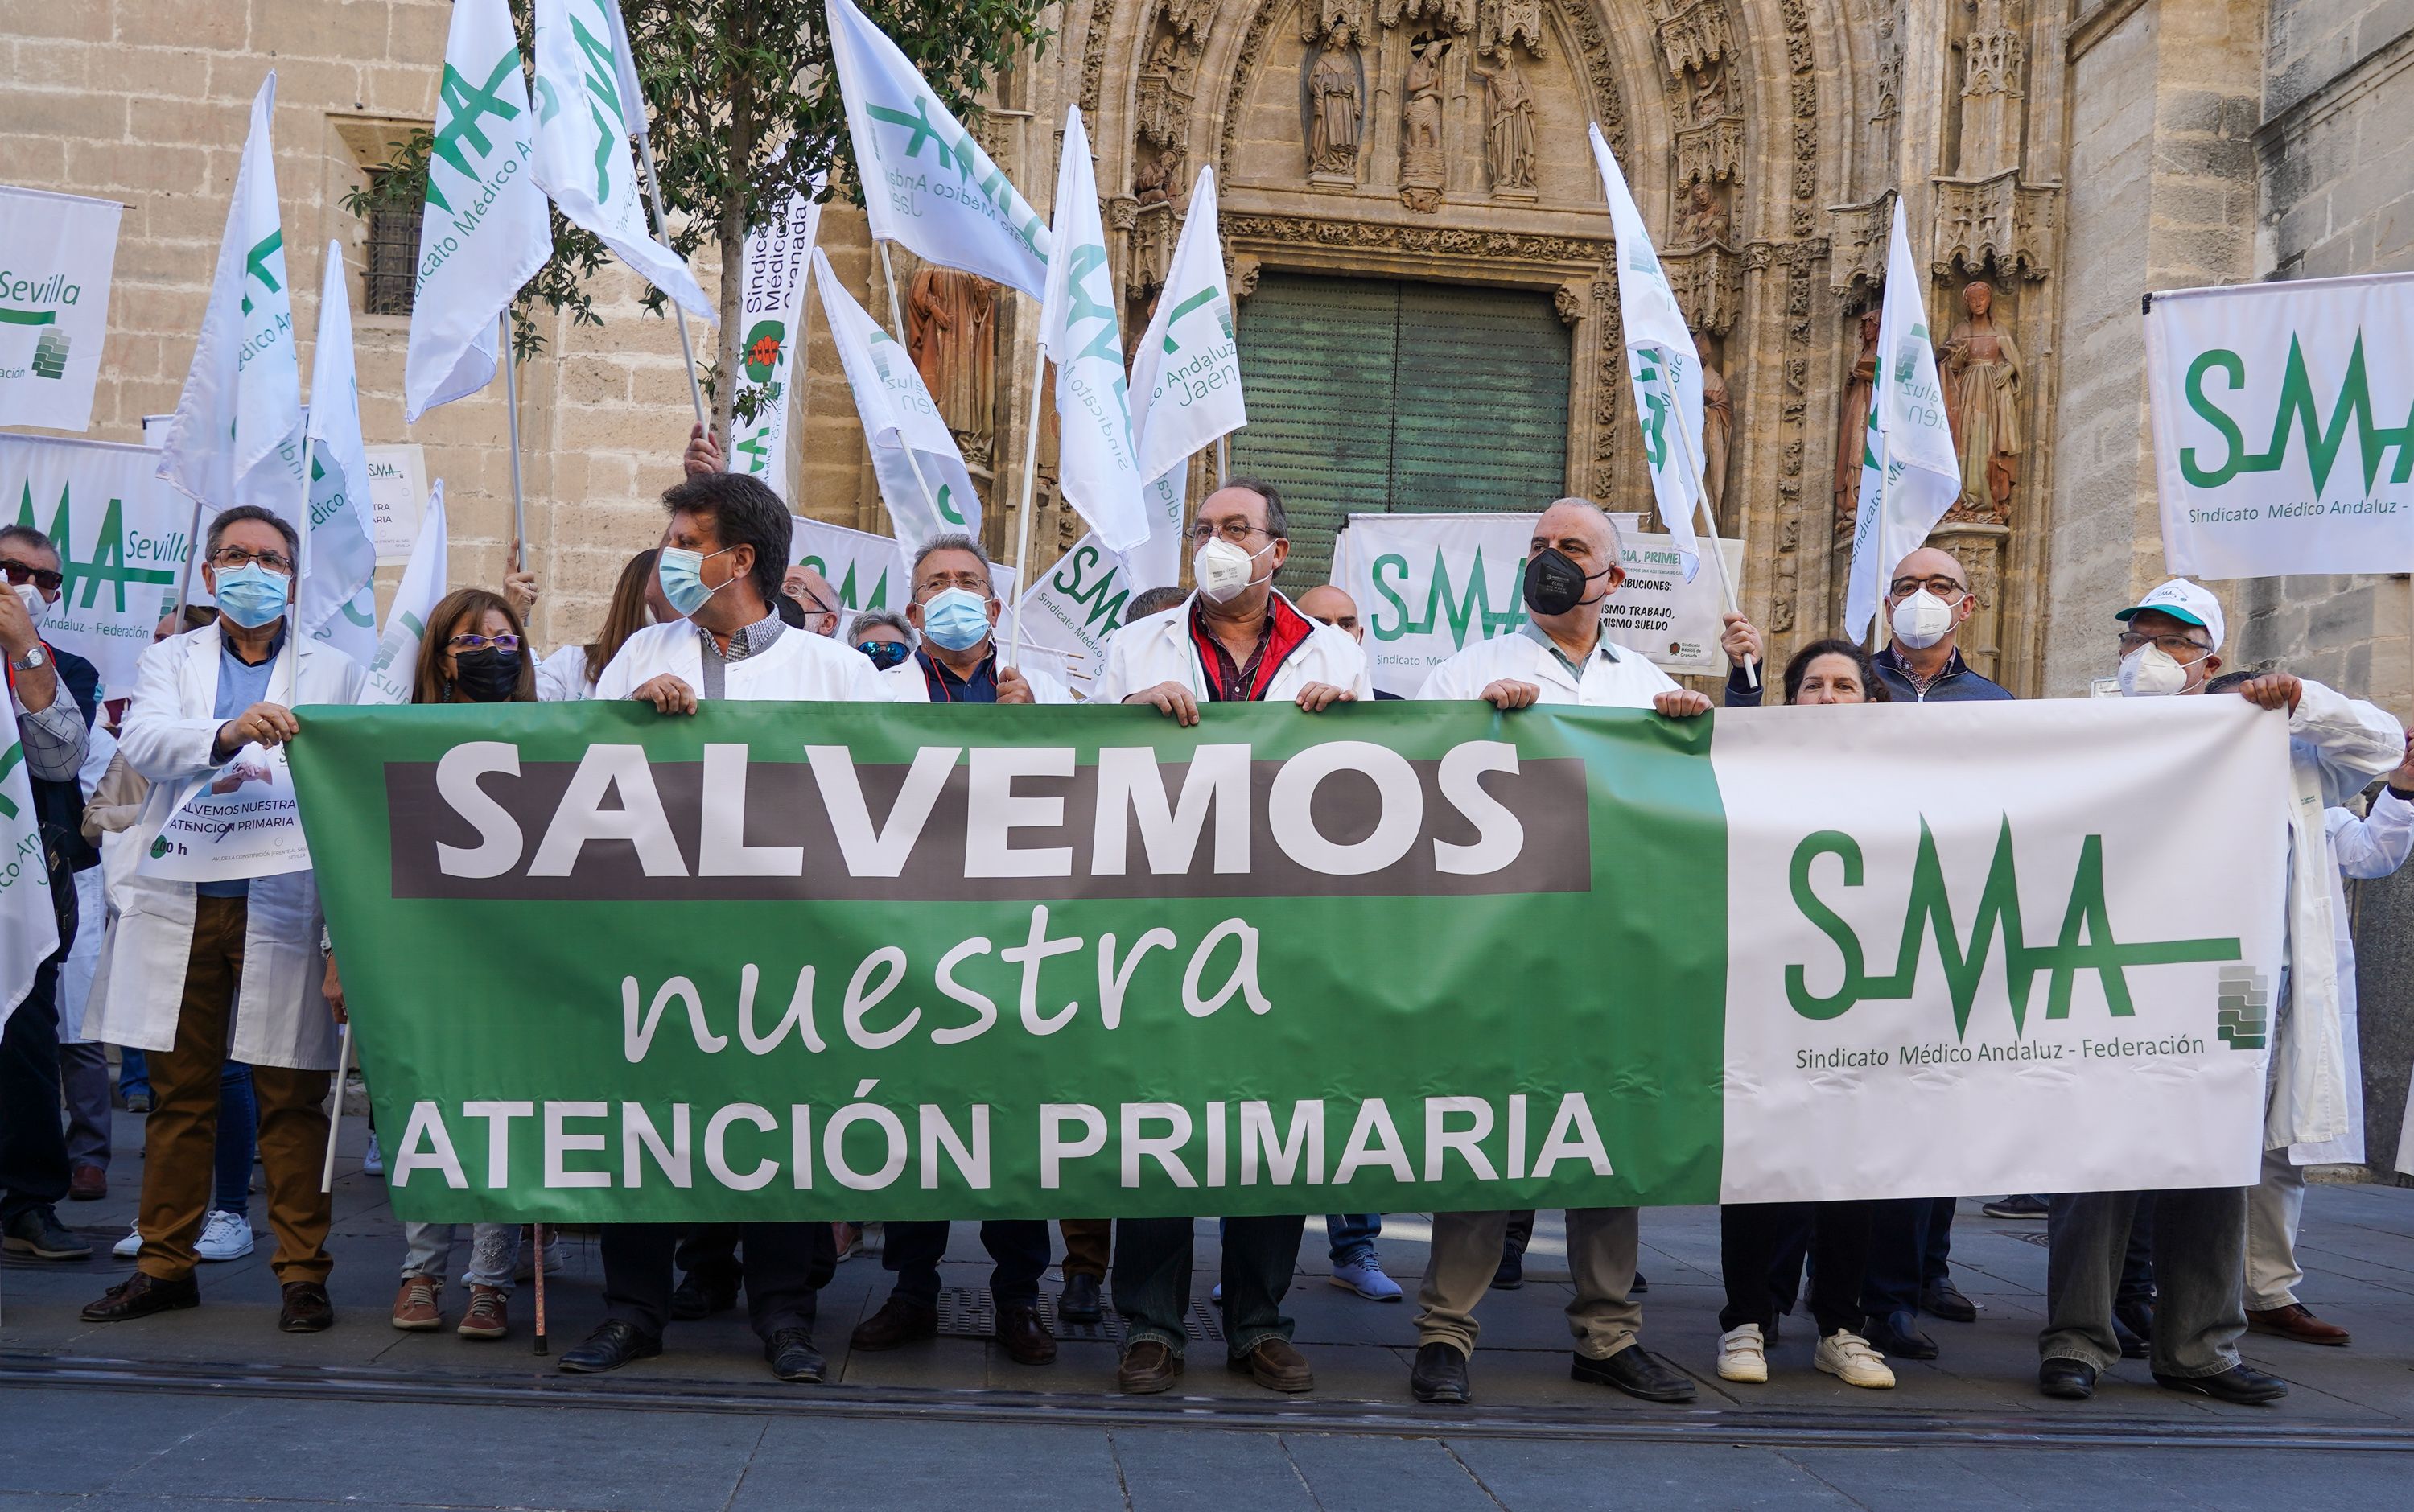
column 1660, row 361
column 241, row 403
column 58, row 250
column 1910, row 474
column 406, row 624
column 1185, row 382
column 899, row 412
column 1097, row 461
column 586, row 107
column 338, row 558
column 484, row 231
column 29, row 923
column 927, row 184
column 771, row 301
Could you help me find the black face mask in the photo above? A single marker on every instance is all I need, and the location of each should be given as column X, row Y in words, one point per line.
column 1554, row 583
column 487, row 675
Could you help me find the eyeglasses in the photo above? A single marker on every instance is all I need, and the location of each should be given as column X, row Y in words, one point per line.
column 1236, row 531
column 26, row 571
column 227, row 559
column 1943, row 588
column 2177, row 646
column 508, row 645
column 938, row 583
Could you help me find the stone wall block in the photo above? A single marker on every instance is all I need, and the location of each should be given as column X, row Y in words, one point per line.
column 91, row 20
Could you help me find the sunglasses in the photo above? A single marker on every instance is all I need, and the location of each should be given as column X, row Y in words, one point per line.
column 26, row 571
column 885, row 654
column 508, row 645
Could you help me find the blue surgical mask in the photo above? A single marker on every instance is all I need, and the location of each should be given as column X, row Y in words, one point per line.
column 682, row 576
column 957, row 618
column 251, row 595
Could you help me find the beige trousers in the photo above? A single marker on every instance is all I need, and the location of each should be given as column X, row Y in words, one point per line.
column 1601, row 1261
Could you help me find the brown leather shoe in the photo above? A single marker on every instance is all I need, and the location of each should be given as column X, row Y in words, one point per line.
column 1026, row 1340
column 1275, row 1365
column 415, row 1307
column 87, row 1184
column 1147, row 1368
column 2295, row 1322
column 306, row 1310
column 489, row 1316
column 897, row 1324
column 140, row 1296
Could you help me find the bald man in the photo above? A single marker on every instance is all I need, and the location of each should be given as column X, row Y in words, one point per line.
column 812, row 590
column 1328, row 605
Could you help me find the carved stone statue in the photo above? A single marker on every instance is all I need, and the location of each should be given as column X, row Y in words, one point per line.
column 1718, row 428
column 1710, row 94
column 1504, row 22
column 1509, row 129
column 951, row 335
column 1334, row 111
column 1851, row 427
column 1150, row 181
column 1420, row 162
column 1982, row 398
column 1702, row 220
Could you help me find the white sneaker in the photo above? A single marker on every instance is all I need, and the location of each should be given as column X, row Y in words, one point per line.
column 1741, row 1357
column 373, row 1158
column 128, row 1247
column 1848, row 1357
column 225, row 1236
column 1367, row 1279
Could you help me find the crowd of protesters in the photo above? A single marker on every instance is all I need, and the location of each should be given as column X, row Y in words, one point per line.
column 223, row 998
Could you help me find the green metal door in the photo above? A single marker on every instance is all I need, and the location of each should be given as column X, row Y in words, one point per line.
column 1368, row 395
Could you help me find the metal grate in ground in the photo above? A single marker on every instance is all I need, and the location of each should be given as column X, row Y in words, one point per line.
column 966, row 1312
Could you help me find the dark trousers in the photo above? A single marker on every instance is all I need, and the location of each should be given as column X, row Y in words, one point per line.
column 1153, row 1279
column 1756, row 1239
column 2199, row 1251
column 708, row 1252
column 1911, row 1243
column 1018, row 1248
column 2137, row 1284
column 1521, row 1234
column 786, row 1264
column 1089, row 1244
column 33, row 1144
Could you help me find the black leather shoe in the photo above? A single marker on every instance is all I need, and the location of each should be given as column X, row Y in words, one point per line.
column 1898, row 1334
column 37, row 1232
column 1023, row 1337
column 2239, row 1384
column 1637, row 1373
column 1640, row 1288
column 1512, row 1274
column 792, row 1355
column 612, row 1345
column 1439, row 1375
column 897, row 1324
column 2132, row 1347
column 1080, row 1301
column 699, row 1298
column 1944, row 1300
column 140, row 1296
column 2136, row 1315
column 2070, row 1380
column 307, row 1309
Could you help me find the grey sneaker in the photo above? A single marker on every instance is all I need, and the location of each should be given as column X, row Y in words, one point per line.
column 37, row 1232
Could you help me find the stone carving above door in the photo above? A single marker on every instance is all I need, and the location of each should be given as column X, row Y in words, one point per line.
column 1423, row 172
column 1337, row 92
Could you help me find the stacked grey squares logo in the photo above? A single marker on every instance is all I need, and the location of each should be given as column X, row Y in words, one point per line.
column 2244, row 1020
column 51, row 353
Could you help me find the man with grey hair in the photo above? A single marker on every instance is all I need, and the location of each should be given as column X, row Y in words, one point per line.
column 955, row 608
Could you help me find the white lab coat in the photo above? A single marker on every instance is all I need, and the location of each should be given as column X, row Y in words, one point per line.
column 92, row 908
column 797, row 668
column 281, row 1017
column 2364, row 848
column 563, row 677
column 1615, row 677
column 2337, row 746
column 908, row 684
column 1146, row 652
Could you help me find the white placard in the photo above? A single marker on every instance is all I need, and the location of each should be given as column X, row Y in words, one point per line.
column 123, row 534
column 239, row 822
column 397, row 496
column 57, row 251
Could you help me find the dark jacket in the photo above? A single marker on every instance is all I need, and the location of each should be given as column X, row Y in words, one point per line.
column 1956, row 683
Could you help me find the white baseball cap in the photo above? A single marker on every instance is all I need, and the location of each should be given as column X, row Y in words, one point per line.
column 2183, row 600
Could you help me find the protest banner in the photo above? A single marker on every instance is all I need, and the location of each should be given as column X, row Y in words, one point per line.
column 2284, row 426
column 607, row 965
column 1428, row 586
column 1073, row 608
column 771, row 301
column 397, row 493
column 864, row 570
column 122, row 533
column 56, row 254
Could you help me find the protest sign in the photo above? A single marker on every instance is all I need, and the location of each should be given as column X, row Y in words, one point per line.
column 240, row 821
column 1074, row 607
column 784, row 961
column 398, row 494
column 2284, row 426
column 123, row 535
column 56, row 253
column 771, row 304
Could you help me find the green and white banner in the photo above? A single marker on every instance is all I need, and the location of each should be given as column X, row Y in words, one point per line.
column 57, row 251
column 816, row 960
column 123, row 534
column 2284, row 426
column 864, row 570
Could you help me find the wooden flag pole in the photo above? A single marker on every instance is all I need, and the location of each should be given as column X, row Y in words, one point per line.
column 336, row 1115
column 536, row 1232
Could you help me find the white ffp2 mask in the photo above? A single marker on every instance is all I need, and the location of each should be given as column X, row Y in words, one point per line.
column 1223, row 570
column 2152, row 672
column 1922, row 620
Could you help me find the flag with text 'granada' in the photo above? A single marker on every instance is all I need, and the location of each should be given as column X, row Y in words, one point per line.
column 771, row 310
column 780, row 960
column 1910, row 474
column 922, row 476
column 1186, row 383
column 1097, row 458
column 587, row 106
column 1660, row 361
column 483, row 230
column 2284, row 426
column 927, row 185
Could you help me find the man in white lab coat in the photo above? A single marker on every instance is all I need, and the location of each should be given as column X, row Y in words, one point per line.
column 721, row 567
column 201, row 972
column 1560, row 657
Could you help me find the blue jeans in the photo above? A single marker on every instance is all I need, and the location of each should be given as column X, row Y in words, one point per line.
column 238, row 1137
column 133, row 1073
column 1352, row 1236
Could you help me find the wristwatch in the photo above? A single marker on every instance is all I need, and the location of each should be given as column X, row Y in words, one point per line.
column 32, row 659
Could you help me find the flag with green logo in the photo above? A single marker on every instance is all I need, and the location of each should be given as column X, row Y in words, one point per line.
column 922, row 476
column 2284, row 426
column 337, row 604
column 1073, row 608
column 1186, row 383
column 865, row 571
column 1097, row 458
column 396, row 666
column 29, row 923
column 908, row 960
column 122, row 534
column 56, row 252
column 1660, row 361
column 1910, row 473
column 771, row 307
